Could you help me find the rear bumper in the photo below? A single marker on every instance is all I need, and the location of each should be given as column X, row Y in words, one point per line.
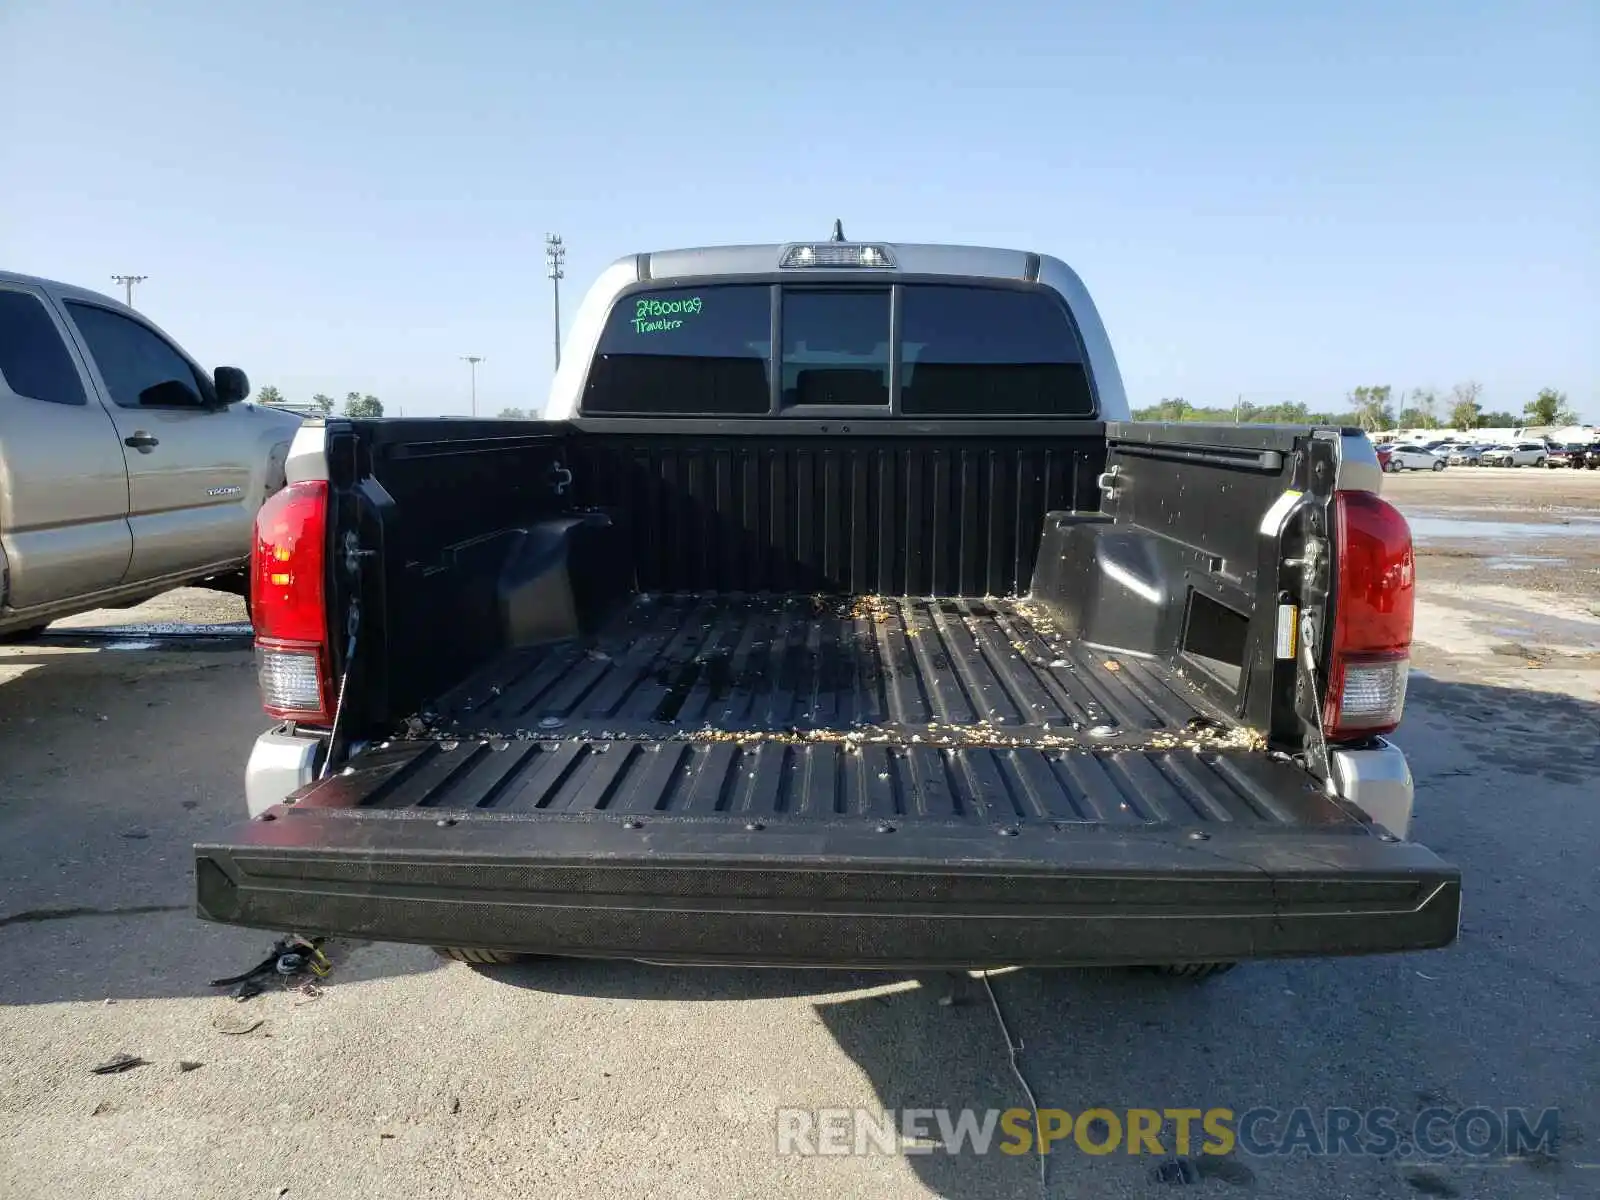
column 281, row 762
column 689, row 890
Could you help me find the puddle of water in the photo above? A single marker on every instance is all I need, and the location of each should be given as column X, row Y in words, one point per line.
column 155, row 635
column 150, row 629
column 1535, row 628
column 1522, row 562
column 1426, row 528
column 1555, row 512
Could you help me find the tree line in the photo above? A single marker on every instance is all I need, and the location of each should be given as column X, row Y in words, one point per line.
column 355, row 403
column 1374, row 408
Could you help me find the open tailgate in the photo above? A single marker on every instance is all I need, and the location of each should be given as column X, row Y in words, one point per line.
column 644, row 850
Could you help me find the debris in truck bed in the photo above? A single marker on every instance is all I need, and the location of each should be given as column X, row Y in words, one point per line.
column 979, row 735
column 868, row 608
column 990, row 672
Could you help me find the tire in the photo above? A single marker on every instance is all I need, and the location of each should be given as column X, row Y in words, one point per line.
column 26, row 634
column 479, row 958
column 1438, row 466
column 1541, row 462
column 1190, row 970
column 1394, row 467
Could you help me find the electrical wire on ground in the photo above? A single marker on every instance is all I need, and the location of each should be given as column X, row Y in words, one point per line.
column 1012, row 1046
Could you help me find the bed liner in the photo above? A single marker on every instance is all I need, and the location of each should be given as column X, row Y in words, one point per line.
column 810, row 708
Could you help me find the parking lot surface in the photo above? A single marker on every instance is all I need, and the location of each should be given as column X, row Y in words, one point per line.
column 408, row 1077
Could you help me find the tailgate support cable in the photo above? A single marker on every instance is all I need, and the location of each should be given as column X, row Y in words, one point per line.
column 1012, row 1046
column 352, row 622
column 1317, row 749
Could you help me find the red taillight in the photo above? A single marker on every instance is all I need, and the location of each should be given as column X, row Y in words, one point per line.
column 1375, row 594
column 288, row 603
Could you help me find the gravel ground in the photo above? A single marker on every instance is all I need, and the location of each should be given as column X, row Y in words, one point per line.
column 411, row 1078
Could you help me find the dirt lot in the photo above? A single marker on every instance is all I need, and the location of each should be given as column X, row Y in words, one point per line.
column 1494, row 488
column 411, row 1078
column 1508, row 564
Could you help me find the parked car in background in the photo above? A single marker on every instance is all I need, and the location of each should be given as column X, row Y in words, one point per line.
column 1408, row 456
column 1466, row 455
column 1573, row 455
column 125, row 469
column 1515, row 454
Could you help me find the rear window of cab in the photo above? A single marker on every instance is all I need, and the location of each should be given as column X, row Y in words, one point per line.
column 962, row 351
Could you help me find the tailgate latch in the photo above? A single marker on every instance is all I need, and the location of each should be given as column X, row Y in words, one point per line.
column 353, row 553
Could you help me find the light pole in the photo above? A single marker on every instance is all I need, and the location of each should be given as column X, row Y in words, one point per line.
column 554, row 255
column 472, row 361
column 127, row 281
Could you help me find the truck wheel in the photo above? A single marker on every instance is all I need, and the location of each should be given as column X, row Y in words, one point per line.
column 480, row 958
column 1191, row 970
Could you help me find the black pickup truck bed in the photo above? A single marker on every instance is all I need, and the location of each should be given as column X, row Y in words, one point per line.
column 741, row 691
column 809, row 780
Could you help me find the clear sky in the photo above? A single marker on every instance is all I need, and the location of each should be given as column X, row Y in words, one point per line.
column 1283, row 199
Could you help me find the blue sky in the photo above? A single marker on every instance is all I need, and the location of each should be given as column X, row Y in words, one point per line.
column 1283, row 200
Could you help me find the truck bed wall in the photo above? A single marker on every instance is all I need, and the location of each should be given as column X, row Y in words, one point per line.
column 480, row 549
column 843, row 513
column 462, row 517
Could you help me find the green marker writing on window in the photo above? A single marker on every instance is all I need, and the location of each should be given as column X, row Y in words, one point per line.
column 657, row 316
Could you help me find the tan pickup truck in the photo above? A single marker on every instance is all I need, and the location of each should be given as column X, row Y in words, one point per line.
column 125, row 469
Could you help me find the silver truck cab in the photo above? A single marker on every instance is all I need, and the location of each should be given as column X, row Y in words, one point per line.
column 897, row 260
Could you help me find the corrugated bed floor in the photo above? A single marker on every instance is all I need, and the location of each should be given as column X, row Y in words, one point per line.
column 813, row 709
column 944, row 668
